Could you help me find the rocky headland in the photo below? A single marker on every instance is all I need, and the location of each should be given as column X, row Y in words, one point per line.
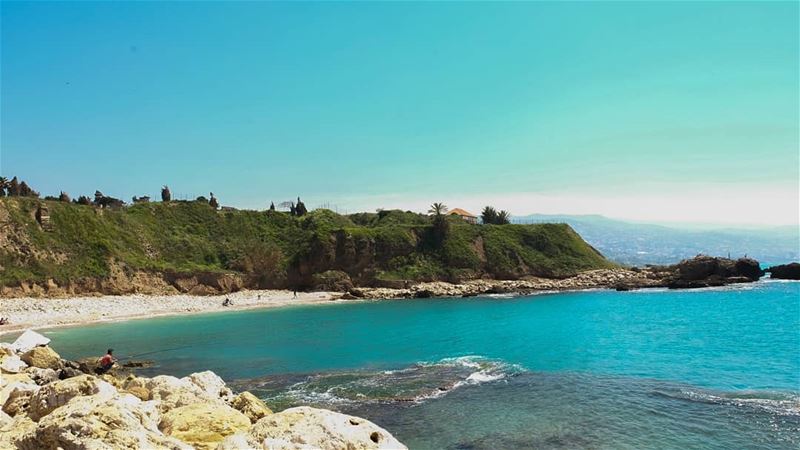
column 789, row 271
column 52, row 403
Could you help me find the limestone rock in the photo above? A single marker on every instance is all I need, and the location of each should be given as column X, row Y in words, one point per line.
column 211, row 384
column 12, row 364
column 43, row 357
column 11, row 431
column 142, row 393
column 19, row 397
column 171, row 392
column 251, row 406
column 304, row 427
column 94, row 422
column 42, row 376
column 7, row 349
column 56, row 394
column 28, row 340
column 203, row 425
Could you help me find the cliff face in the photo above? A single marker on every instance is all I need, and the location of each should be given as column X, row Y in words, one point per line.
column 190, row 247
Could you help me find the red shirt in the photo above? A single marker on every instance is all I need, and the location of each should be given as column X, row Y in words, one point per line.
column 106, row 360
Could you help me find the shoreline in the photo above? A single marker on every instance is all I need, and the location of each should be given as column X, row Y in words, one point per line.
column 39, row 313
column 47, row 313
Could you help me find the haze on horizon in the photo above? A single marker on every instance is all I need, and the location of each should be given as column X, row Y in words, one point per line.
column 654, row 112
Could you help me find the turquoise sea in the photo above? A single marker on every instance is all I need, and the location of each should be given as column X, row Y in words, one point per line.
column 712, row 368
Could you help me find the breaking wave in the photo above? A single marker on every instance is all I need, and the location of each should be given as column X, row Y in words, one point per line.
column 413, row 384
column 781, row 403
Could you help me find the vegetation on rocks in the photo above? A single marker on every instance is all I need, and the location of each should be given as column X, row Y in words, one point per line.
column 271, row 249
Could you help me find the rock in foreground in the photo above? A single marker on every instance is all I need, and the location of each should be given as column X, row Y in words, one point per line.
column 87, row 412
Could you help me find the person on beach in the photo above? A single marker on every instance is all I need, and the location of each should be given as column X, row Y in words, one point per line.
column 295, row 293
column 3, row 320
column 106, row 362
column 227, row 302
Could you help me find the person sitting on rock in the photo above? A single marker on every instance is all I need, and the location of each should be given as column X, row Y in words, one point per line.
column 106, row 362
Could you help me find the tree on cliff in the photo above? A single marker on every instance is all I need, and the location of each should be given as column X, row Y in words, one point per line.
column 263, row 263
column 440, row 223
column 13, row 187
column 272, row 206
column 300, row 208
column 63, row 197
column 503, row 218
column 213, row 201
column 3, row 186
column 488, row 215
column 83, row 200
column 166, row 195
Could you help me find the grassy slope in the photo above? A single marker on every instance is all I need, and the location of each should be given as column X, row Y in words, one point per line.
column 190, row 236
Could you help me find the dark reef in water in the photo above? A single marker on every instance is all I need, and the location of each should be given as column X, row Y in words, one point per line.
column 789, row 271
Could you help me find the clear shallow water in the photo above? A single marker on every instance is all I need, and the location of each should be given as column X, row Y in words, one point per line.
column 716, row 368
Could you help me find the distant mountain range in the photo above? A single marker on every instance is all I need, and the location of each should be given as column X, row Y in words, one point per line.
column 639, row 244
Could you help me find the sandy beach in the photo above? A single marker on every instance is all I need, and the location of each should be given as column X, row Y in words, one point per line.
column 38, row 313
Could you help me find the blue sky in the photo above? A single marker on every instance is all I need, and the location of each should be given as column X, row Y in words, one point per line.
column 669, row 111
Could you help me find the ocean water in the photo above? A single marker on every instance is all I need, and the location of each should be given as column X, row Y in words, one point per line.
column 711, row 368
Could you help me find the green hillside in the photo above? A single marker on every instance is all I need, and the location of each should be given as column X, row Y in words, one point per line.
column 274, row 249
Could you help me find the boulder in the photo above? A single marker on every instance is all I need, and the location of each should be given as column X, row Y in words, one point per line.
column 7, row 349
column 56, row 394
column 748, row 268
column 12, row 364
column 139, row 392
column 42, row 376
column 12, row 431
column 251, row 406
column 171, row 392
column 28, row 340
column 785, row 271
column 211, row 384
column 43, row 357
column 203, row 425
column 95, row 422
column 19, row 397
column 304, row 428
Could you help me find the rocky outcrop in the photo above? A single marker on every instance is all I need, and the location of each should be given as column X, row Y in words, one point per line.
column 251, row 406
column 203, row 425
column 87, row 412
column 789, row 271
column 708, row 271
column 42, row 357
column 311, row 428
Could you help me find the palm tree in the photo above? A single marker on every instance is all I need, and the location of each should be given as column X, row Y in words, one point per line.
column 503, row 218
column 438, row 209
column 489, row 215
